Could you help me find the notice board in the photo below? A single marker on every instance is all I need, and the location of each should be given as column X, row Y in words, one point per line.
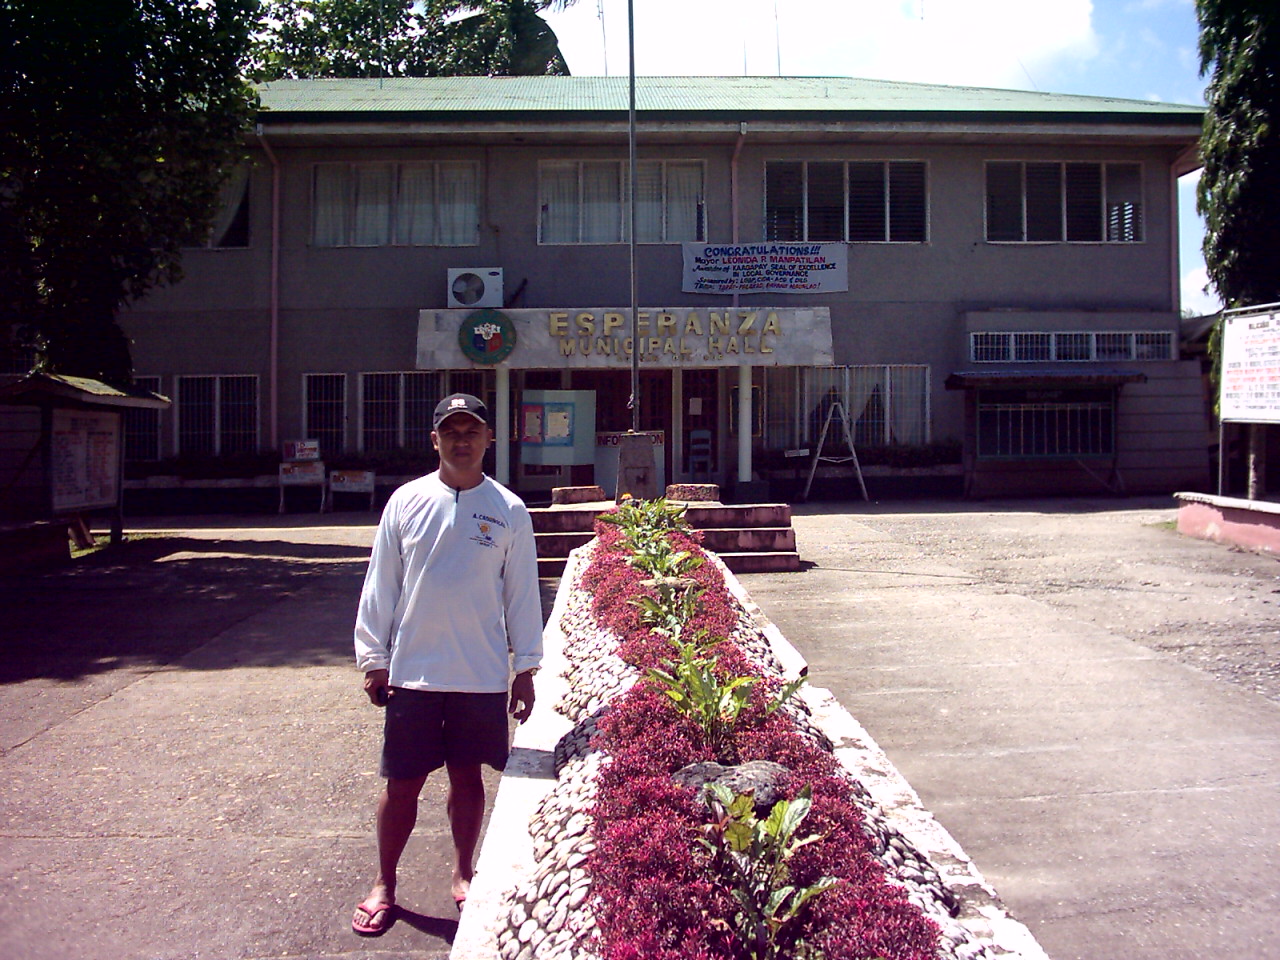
column 1250, row 388
column 84, row 460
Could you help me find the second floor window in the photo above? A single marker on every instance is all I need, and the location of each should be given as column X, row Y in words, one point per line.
column 1054, row 202
column 411, row 204
column 861, row 201
column 586, row 201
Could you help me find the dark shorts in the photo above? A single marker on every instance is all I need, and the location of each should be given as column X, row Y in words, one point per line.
column 426, row 729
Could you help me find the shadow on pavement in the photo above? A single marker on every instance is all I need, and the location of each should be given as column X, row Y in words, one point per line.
column 151, row 601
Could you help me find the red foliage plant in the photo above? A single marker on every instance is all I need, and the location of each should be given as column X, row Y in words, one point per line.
column 656, row 891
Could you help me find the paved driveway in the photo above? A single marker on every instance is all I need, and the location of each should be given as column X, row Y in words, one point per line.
column 1085, row 699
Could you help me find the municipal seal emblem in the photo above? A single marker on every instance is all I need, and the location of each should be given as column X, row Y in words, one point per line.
column 487, row 336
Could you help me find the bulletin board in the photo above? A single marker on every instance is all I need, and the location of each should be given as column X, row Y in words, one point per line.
column 557, row 427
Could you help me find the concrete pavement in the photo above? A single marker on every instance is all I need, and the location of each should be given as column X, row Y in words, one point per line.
column 1122, row 803
column 190, row 771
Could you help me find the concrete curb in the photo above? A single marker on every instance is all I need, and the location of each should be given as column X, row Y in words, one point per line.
column 507, row 860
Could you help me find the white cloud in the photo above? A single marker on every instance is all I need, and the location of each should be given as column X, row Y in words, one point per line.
column 1002, row 43
column 1194, row 296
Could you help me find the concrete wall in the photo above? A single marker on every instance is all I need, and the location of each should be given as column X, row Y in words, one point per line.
column 355, row 309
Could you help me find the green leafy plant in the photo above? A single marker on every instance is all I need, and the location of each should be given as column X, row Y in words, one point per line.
column 713, row 704
column 752, row 855
column 645, row 525
column 675, row 605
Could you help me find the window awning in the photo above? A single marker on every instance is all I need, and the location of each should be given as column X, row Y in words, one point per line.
column 1040, row 378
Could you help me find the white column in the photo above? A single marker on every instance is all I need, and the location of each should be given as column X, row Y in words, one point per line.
column 744, row 424
column 502, row 455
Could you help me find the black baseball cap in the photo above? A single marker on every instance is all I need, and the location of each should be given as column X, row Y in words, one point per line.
column 460, row 403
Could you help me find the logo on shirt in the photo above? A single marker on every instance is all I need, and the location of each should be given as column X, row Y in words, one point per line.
column 484, row 532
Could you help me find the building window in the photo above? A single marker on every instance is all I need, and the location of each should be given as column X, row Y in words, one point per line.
column 408, row 204
column 217, row 415
column 142, row 427
column 396, row 409
column 861, row 201
column 586, row 201
column 1034, row 424
column 325, row 411
column 1034, row 347
column 230, row 227
column 887, row 405
column 1036, row 202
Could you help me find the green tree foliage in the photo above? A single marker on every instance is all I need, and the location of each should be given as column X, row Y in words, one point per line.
column 406, row 38
column 1239, row 192
column 119, row 122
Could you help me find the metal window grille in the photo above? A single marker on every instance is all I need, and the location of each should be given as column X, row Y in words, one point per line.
column 237, row 414
column 1032, row 347
column 142, row 427
column 1045, row 430
column 1113, row 346
column 379, row 412
column 217, row 415
column 325, row 411
column 989, row 347
column 886, row 404
column 1153, row 346
column 396, row 408
column 1073, row 346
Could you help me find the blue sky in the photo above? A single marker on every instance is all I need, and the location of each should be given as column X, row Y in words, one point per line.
column 1137, row 49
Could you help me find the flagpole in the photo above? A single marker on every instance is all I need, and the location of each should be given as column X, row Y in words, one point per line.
column 631, row 233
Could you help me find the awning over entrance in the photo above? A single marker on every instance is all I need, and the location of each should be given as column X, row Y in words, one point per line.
column 1040, row 378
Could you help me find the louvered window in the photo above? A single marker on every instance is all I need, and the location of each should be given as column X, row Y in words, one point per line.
column 858, row 201
column 1076, row 202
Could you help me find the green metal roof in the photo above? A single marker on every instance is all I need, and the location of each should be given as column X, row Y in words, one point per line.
column 82, row 389
column 728, row 96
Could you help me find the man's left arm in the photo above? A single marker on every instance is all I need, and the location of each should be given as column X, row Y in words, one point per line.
column 523, row 612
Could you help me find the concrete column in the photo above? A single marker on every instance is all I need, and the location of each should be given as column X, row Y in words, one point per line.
column 744, row 424
column 502, row 425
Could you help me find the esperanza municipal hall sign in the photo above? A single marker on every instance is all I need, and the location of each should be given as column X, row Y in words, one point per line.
column 601, row 337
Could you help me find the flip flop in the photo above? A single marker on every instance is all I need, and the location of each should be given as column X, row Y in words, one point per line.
column 374, row 909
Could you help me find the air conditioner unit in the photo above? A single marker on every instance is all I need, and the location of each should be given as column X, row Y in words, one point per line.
column 474, row 287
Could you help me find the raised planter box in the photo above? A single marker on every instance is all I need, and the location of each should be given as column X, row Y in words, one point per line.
column 530, row 886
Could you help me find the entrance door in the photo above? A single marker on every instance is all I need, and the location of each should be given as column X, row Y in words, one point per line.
column 700, row 457
column 613, row 389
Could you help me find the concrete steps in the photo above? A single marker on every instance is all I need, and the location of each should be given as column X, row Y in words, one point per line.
column 749, row 538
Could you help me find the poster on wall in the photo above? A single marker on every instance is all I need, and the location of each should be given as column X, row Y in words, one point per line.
column 801, row 268
column 1250, row 389
column 84, row 460
column 557, row 427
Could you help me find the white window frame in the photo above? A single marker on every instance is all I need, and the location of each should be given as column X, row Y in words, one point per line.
column 438, row 381
column 1109, row 204
column 142, row 425
column 887, row 209
column 623, row 201
column 219, row 430
column 310, row 430
column 394, row 228
column 1103, row 346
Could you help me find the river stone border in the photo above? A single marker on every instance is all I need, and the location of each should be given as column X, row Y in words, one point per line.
column 531, row 895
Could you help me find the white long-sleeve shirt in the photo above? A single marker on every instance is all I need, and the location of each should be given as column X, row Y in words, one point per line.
column 452, row 580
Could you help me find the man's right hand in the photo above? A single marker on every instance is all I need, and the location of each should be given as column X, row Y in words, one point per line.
column 376, row 686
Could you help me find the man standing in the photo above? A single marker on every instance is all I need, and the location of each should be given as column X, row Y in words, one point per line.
column 451, row 591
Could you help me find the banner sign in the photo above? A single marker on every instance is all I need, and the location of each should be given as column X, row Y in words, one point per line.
column 666, row 337
column 809, row 268
column 1250, row 391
